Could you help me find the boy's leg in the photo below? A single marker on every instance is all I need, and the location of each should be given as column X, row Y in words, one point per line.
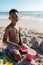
column 16, row 55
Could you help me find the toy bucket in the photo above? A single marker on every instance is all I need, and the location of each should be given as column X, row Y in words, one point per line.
column 31, row 54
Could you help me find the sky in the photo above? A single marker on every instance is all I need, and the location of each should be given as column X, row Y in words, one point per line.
column 21, row 5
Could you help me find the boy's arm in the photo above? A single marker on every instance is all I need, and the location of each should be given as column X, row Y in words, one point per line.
column 14, row 44
column 5, row 37
column 20, row 38
column 9, row 42
column 22, row 44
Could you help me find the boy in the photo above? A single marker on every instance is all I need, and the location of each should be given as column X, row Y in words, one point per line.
column 12, row 35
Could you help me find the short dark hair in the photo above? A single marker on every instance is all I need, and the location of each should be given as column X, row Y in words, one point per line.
column 13, row 11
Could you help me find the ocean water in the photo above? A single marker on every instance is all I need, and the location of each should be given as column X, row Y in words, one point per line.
column 27, row 13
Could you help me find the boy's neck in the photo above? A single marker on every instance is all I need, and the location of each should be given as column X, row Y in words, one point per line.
column 12, row 24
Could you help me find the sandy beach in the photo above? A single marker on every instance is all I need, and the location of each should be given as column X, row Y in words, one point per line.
column 29, row 22
column 31, row 33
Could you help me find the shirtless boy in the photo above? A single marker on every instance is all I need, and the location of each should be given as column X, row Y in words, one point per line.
column 12, row 35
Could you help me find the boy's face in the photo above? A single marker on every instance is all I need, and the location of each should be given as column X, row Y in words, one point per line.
column 13, row 17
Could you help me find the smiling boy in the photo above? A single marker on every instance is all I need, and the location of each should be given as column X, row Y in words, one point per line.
column 12, row 35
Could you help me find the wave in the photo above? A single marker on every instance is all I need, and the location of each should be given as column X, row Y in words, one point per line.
column 26, row 13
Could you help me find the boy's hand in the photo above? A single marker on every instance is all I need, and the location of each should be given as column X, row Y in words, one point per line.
column 14, row 44
column 18, row 47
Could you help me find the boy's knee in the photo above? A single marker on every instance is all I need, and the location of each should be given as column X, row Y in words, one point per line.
column 17, row 55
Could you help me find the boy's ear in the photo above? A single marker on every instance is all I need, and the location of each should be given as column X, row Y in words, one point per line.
column 9, row 17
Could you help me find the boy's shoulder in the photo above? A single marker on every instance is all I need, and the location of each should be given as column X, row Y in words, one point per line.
column 8, row 27
column 18, row 27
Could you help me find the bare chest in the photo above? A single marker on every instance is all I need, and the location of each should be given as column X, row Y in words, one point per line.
column 14, row 36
